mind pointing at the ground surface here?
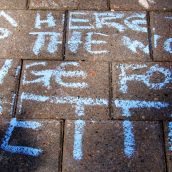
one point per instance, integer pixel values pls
(86, 86)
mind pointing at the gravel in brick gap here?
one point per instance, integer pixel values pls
(161, 27)
(14, 4)
(113, 146)
(142, 90)
(31, 34)
(9, 75)
(141, 5)
(107, 36)
(30, 145)
(168, 142)
(68, 90)
(70, 4)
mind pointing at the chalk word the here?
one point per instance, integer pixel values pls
(55, 37)
(20, 149)
(146, 79)
(43, 77)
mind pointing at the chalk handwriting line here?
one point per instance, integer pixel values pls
(20, 149)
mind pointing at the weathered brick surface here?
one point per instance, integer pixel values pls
(107, 146)
(107, 36)
(45, 138)
(9, 75)
(168, 143)
(161, 27)
(70, 4)
(28, 34)
(66, 90)
(141, 5)
(142, 90)
(14, 4)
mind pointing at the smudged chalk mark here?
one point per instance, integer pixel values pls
(78, 139)
(20, 149)
(75, 41)
(170, 135)
(4, 33)
(8, 18)
(168, 45)
(156, 38)
(129, 141)
(168, 18)
(4, 70)
(133, 45)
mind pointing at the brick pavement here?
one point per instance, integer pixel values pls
(86, 85)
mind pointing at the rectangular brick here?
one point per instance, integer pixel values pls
(31, 34)
(107, 36)
(70, 4)
(14, 4)
(30, 145)
(168, 142)
(9, 75)
(113, 146)
(68, 90)
(141, 5)
(142, 91)
(161, 27)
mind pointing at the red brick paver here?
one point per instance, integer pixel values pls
(161, 27)
(90, 83)
(30, 145)
(9, 75)
(30, 34)
(14, 4)
(168, 142)
(141, 5)
(70, 4)
(107, 36)
(67, 90)
(109, 146)
(142, 90)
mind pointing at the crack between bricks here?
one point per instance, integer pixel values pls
(17, 91)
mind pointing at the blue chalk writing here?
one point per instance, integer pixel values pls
(78, 135)
(20, 149)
